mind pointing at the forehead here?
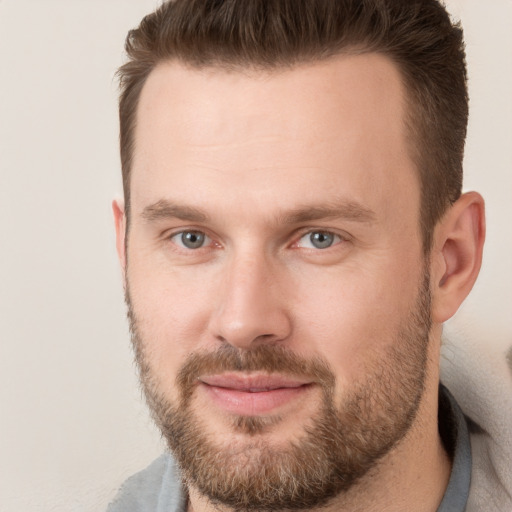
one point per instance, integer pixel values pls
(317, 126)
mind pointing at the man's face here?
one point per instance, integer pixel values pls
(277, 290)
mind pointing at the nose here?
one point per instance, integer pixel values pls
(251, 306)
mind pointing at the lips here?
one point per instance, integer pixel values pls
(252, 395)
(251, 383)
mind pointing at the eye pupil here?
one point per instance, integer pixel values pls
(321, 240)
(192, 239)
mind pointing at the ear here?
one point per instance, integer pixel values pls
(120, 222)
(457, 254)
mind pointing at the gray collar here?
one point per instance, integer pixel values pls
(454, 433)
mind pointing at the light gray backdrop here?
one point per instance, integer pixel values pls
(72, 423)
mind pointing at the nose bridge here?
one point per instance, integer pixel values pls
(249, 309)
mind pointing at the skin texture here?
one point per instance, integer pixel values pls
(254, 160)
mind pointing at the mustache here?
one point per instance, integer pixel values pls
(264, 358)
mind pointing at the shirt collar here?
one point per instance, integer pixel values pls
(454, 433)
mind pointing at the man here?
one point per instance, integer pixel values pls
(293, 238)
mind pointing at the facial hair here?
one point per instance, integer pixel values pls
(336, 449)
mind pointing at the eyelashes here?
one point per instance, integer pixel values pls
(319, 240)
(191, 239)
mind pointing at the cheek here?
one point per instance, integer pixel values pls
(354, 317)
(171, 317)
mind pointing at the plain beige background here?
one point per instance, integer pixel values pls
(72, 422)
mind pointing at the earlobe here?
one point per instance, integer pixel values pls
(120, 225)
(457, 254)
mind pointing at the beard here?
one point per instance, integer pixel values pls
(339, 445)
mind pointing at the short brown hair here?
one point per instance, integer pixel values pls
(415, 34)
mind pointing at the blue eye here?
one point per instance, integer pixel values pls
(191, 239)
(319, 240)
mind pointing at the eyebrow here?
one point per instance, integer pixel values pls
(348, 210)
(164, 209)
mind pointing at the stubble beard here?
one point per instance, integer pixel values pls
(337, 448)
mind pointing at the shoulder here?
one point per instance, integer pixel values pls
(479, 375)
(491, 478)
(156, 488)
